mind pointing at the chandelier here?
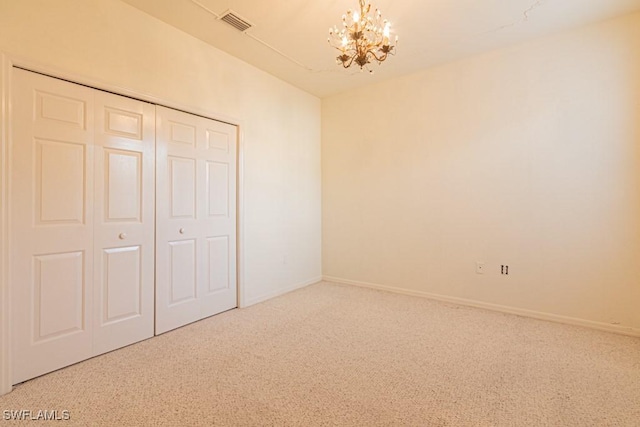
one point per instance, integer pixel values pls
(365, 37)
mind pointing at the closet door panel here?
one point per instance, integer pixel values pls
(218, 151)
(196, 233)
(124, 221)
(177, 235)
(52, 224)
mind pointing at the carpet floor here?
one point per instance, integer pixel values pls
(337, 355)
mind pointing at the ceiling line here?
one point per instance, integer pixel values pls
(279, 52)
(532, 8)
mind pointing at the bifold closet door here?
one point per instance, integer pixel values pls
(82, 223)
(124, 211)
(51, 224)
(196, 218)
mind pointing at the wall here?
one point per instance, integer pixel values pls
(109, 41)
(527, 156)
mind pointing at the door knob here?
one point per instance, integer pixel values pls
(122, 236)
(181, 231)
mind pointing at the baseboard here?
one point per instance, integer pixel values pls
(277, 293)
(618, 329)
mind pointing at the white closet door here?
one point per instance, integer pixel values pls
(52, 224)
(196, 218)
(82, 223)
(123, 221)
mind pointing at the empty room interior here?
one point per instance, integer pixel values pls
(344, 212)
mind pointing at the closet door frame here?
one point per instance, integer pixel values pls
(7, 64)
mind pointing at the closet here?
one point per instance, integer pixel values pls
(92, 175)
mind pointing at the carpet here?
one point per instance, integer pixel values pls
(337, 355)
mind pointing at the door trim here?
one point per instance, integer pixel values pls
(7, 64)
(5, 314)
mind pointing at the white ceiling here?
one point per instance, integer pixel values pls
(431, 31)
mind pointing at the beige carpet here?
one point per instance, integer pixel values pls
(339, 355)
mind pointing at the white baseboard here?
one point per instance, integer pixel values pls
(277, 293)
(624, 330)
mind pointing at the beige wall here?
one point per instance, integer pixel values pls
(111, 42)
(527, 156)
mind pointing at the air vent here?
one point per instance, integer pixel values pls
(232, 18)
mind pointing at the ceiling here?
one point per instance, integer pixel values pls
(289, 38)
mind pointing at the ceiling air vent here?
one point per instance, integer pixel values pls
(232, 18)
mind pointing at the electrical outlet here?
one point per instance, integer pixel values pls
(479, 267)
(504, 270)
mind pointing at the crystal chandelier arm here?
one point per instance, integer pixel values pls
(347, 64)
(381, 58)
